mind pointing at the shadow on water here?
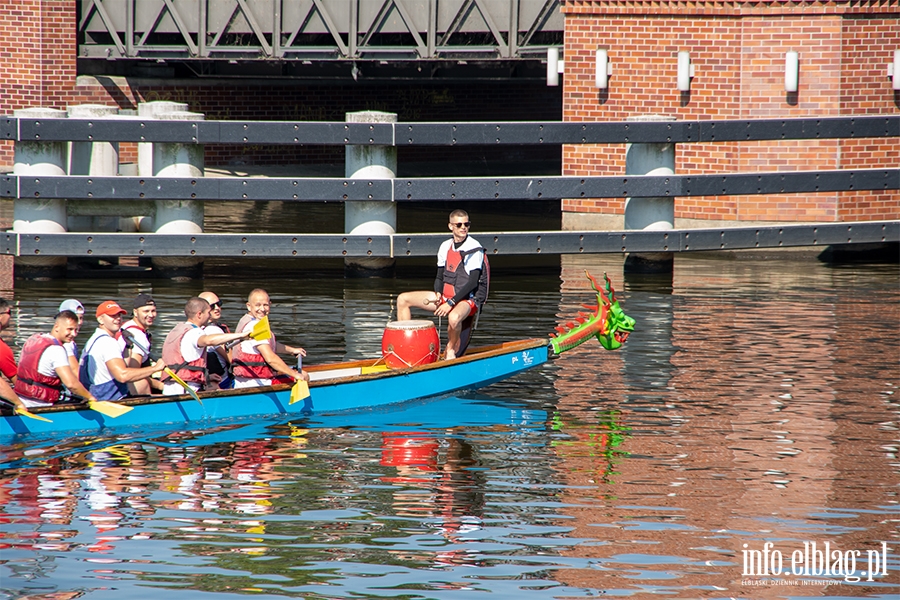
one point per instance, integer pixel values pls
(755, 402)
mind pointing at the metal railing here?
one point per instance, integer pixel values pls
(505, 189)
(263, 245)
(445, 134)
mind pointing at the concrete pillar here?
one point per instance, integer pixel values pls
(655, 214)
(370, 218)
(178, 215)
(151, 110)
(100, 159)
(40, 215)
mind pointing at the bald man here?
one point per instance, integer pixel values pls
(256, 362)
(218, 360)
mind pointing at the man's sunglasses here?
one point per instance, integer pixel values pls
(216, 304)
(458, 225)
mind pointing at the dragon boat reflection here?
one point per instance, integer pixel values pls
(257, 481)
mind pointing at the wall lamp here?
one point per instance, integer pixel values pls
(554, 67)
(602, 69)
(894, 70)
(685, 71)
(791, 71)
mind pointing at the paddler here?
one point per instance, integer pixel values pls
(102, 368)
(44, 366)
(218, 361)
(256, 362)
(136, 342)
(460, 261)
(185, 348)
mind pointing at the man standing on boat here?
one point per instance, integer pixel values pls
(256, 362)
(135, 342)
(185, 348)
(217, 360)
(460, 261)
(102, 368)
(44, 365)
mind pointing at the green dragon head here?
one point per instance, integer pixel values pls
(608, 323)
(616, 324)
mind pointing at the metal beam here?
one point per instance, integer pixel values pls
(445, 134)
(314, 189)
(142, 189)
(426, 244)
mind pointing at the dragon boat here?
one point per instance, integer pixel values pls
(333, 388)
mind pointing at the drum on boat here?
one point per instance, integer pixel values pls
(410, 344)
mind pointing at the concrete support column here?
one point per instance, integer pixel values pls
(370, 218)
(151, 110)
(656, 214)
(40, 215)
(100, 159)
(178, 215)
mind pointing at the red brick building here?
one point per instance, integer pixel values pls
(738, 50)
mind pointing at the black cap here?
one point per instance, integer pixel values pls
(143, 300)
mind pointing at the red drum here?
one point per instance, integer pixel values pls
(410, 344)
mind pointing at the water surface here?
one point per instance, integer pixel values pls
(756, 402)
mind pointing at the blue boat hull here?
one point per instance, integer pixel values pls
(335, 388)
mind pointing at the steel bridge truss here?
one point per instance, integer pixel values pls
(323, 30)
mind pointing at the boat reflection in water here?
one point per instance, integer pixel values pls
(288, 491)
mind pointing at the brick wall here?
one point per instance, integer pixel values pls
(737, 49)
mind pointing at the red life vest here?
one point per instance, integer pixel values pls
(171, 353)
(132, 325)
(29, 381)
(254, 366)
(456, 276)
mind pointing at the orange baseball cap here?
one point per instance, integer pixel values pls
(111, 308)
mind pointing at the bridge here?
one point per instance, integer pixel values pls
(319, 38)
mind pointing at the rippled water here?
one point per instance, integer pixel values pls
(756, 402)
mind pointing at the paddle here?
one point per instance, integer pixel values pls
(170, 372)
(27, 413)
(299, 391)
(110, 409)
(260, 331)
(183, 384)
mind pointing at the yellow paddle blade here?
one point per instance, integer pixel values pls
(299, 391)
(373, 369)
(261, 330)
(183, 384)
(110, 409)
(31, 415)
